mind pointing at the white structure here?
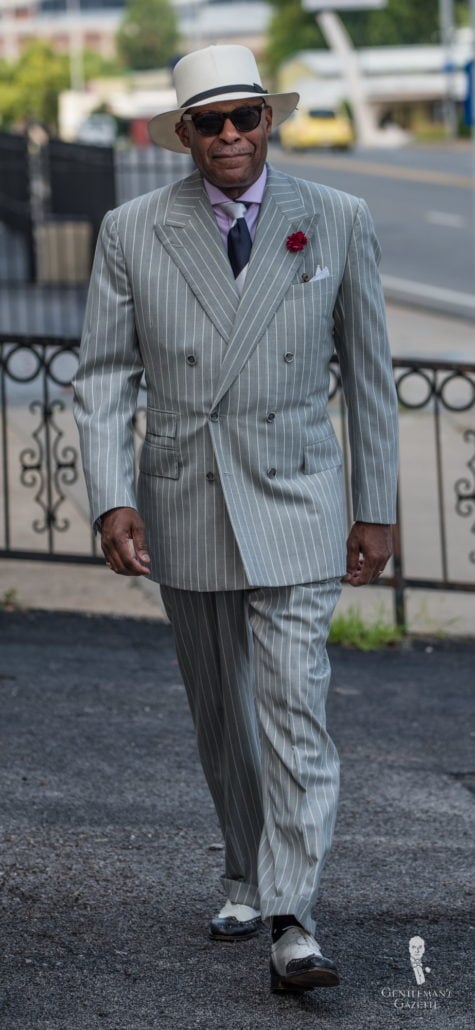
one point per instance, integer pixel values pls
(391, 75)
(21, 22)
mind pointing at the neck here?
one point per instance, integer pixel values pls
(235, 192)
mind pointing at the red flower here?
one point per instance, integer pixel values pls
(296, 241)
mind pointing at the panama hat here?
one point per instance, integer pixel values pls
(216, 73)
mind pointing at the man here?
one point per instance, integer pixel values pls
(234, 311)
(417, 948)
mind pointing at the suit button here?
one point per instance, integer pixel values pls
(271, 473)
(190, 359)
(288, 357)
(214, 416)
(270, 417)
(210, 477)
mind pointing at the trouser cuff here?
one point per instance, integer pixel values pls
(241, 893)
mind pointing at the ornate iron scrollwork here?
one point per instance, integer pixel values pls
(48, 466)
(465, 489)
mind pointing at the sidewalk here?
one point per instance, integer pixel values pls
(111, 851)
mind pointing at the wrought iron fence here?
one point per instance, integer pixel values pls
(45, 512)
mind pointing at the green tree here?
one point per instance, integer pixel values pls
(97, 67)
(30, 86)
(401, 22)
(148, 34)
(291, 29)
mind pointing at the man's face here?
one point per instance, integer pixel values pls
(232, 160)
(416, 947)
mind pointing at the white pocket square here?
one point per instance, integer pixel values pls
(321, 273)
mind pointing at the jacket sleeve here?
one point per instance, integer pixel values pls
(361, 342)
(108, 378)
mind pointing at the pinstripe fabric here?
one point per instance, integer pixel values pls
(269, 642)
(238, 498)
(241, 487)
(215, 652)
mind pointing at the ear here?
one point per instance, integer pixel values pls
(181, 130)
(268, 119)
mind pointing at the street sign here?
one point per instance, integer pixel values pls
(341, 5)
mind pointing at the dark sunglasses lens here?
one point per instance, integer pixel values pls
(244, 119)
(209, 124)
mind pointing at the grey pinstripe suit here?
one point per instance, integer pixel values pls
(240, 483)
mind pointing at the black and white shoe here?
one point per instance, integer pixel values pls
(297, 963)
(235, 923)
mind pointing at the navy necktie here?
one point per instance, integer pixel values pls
(239, 240)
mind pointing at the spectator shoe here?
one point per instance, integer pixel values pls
(297, 963)
(235, 923)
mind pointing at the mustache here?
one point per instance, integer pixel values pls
(230, 152)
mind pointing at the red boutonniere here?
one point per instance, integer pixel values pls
(296, 241)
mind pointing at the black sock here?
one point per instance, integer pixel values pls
(280, 924)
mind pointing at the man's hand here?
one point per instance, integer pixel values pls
(123, 542)
(368, 548)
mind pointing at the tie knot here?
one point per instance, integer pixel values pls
(234, 208)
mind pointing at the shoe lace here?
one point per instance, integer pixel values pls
(302, 940)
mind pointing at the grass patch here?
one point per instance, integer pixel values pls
(350, 629)
(9, 601)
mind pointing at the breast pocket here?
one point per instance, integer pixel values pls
(313, 291)
(309, 306)
(321, 455)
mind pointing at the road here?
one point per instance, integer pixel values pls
(423, 203)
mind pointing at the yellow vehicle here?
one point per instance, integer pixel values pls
(316, 127)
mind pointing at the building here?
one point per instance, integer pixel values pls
(401, 84)
(93, 23)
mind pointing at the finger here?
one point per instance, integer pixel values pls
(369, 573)
(353, 569)
(127, 564)
(120, 553)
(140, 545)
(353, 554)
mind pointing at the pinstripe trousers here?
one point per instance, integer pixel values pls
(256, 672)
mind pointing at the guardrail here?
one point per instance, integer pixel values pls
(44, 513)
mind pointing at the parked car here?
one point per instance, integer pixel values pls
(316, 127)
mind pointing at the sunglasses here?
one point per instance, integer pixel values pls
(211, 123)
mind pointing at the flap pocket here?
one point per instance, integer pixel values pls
(158, 461)
(321, 455)
(161, 423)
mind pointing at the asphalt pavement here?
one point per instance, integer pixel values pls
(111, 852)
(422, 202)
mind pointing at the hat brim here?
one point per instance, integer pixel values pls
(162, 127)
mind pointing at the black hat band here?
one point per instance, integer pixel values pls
(238, 88)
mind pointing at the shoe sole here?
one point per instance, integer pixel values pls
(304, 981)
(233, 938)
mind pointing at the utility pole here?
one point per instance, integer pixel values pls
(76, 68)
(446, 23)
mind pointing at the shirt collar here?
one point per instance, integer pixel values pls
(253, 195)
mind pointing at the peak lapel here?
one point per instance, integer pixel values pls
(190, 235)
(272, 268)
